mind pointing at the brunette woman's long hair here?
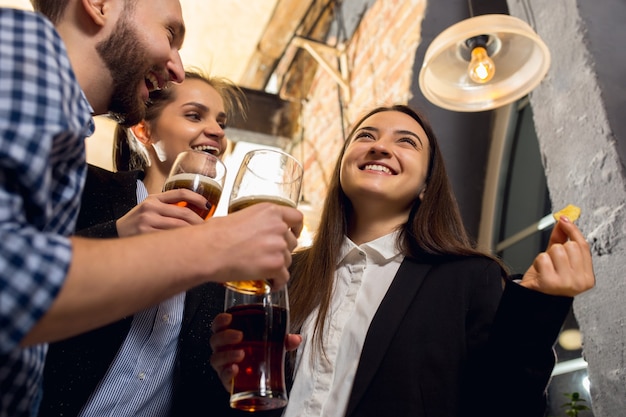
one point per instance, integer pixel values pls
(128, 154)
(433, 233)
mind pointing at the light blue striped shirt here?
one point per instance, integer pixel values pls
(139, 380)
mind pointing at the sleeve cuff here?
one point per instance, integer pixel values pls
(526, 315)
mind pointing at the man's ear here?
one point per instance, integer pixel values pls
(96, 10)
(142, 132)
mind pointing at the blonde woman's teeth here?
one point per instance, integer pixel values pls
(206, 148)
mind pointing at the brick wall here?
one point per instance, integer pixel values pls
(380, 58)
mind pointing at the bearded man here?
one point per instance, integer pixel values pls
(93, 57)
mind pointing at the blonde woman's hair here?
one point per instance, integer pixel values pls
(129, 154)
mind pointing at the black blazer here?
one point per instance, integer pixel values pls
(447, 342)
(75, 366)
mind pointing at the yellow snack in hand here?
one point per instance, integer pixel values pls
(571, 212)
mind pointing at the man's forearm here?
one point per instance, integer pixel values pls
(111, 279)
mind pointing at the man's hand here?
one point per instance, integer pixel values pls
(251, 244)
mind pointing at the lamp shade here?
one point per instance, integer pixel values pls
(521, 60)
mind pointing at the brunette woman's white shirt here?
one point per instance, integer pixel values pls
(323, 383)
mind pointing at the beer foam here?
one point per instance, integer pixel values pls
(242, 202)
(195, 178)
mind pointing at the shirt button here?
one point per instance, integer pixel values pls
(362, 253)
(165, 317)
(141, 376)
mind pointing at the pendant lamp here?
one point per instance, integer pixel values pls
(482, 63)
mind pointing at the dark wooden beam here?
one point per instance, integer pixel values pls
(297, 74)
(286, 19)
(268, 115)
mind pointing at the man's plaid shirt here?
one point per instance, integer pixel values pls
(44, 118)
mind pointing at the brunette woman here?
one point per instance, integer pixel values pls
(399, 315)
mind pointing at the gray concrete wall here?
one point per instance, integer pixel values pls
(580, 126)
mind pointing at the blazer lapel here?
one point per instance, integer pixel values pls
(385, 323)
(124, 192)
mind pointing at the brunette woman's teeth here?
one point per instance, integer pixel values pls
(378, 168)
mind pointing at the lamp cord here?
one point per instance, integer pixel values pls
(530, 16)
(471, 8)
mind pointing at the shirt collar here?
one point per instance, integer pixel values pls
(91, 127)
(382, 249)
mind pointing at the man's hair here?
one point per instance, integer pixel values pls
(52, 9)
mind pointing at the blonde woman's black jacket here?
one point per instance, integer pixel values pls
(74, 367)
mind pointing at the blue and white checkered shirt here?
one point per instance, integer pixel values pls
(44, 118)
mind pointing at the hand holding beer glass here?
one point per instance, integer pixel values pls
(265, 175)
(262, 315)
(202, 173)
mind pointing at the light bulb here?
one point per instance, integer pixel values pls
(481, 68)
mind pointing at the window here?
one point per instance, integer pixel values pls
(522, 202)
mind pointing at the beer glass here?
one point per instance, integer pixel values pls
(202, 173)
(264, 320)
(265, 175)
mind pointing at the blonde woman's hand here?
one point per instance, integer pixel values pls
(160, 212)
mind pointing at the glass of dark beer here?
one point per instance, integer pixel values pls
(202, 173)
(265, 175)
(264, 320)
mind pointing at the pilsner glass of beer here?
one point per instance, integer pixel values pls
(265, 175)
(202, 173)
(264, 320)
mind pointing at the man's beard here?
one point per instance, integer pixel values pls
(125, 58)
